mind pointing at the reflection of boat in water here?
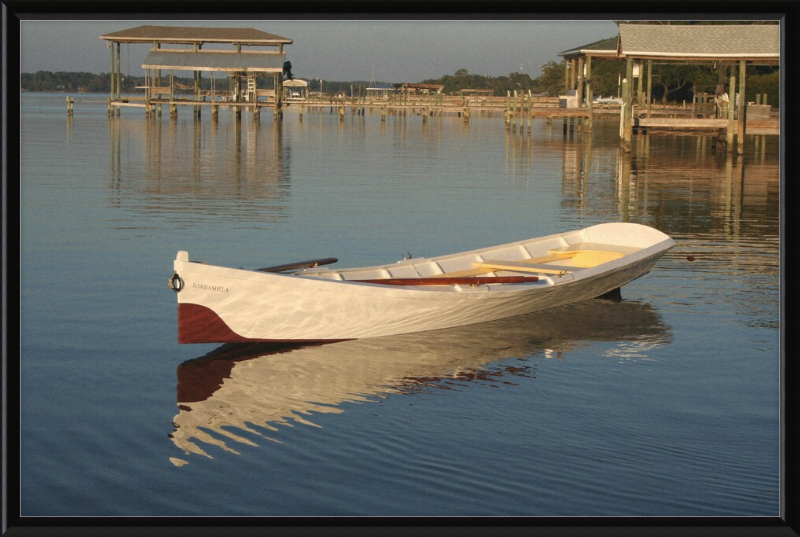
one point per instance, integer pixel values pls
(255, 387)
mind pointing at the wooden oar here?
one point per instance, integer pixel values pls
(451, 281)
(300, 265)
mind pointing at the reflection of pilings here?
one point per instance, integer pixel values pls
(733, 187)
(197, 147)
(277, 136)
(586, 168)
(759, 148)
(115, 131)
(237, 130)
(624, 183)
(252, 145)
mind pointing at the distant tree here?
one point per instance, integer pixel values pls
(671, 81)
(605, 77)
(764, 81)
(675, 77)
(551, 81)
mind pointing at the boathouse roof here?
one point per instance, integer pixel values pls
(191, 35)
(295, 83)
(757, 43)
(381, 87)
(226, 61)
(604, 47)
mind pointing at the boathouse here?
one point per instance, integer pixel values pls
(380, 91)
(729, 48)
(420, 89)
(251, 60)
(295, 89)
(579, 68)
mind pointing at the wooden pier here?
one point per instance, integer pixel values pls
(518, 111)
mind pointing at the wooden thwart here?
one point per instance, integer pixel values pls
(523, 266)
(553, 256)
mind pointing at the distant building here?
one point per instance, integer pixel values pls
(295, 89)
(243, 68)
(380, 91)
(421, 89)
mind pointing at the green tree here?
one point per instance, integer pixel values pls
(605, 77)
(674, 77)
(551, 81)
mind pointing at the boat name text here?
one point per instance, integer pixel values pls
(207, 287)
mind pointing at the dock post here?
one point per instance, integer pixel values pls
(627, 106)
(639, 92)
(589, 95)
(730, 128)
(579, 82)
(530, 110)
(650, 87)
(741, 108)
(507, 113)
(383, 114)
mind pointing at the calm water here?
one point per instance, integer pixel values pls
(663, 404)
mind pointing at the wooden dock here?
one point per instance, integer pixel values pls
(517, 111)
(648, 125)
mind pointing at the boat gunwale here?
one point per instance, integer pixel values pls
(311, 283)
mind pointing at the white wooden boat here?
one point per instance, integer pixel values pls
(318, 303)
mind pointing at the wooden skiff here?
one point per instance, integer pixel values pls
(310, 302)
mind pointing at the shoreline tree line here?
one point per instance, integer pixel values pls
(671, 82)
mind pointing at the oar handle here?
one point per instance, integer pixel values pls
(456, 280)
(300, 265)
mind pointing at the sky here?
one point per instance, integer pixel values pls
(338, 50)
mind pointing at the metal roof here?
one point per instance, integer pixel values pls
(262, 62)
(606, 47)
(701, 41)
(184, 34)
(295, 83)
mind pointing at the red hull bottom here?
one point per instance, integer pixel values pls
(199, 324)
